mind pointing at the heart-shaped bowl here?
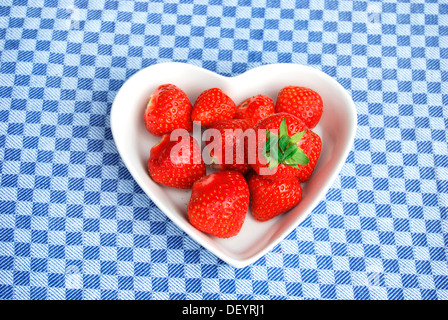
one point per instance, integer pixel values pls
(336, 128)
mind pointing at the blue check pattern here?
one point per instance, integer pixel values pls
(75, 225)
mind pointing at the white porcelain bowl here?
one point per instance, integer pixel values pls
(337, 129)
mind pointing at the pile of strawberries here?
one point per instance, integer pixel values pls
(287, 153)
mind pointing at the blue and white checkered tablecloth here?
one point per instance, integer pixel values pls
(75, 225)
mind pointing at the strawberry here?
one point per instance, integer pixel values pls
(302, 102)
(270, 198)
(219, 203)
(211, 106)
(230, 139)
(176, 164)
(255, 108)
(168, 109)
(286, 147)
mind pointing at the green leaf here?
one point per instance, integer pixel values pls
(275, 151)
(292, 149)
(267, 145)
(275, 154)
(296, 138)
(283, 128)
(270, 149)
(300, 157)
(273, 141)
(292, 165)
(283, 142)
(283, 148)
(268, 134)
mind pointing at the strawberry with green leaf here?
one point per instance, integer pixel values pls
(286, 147)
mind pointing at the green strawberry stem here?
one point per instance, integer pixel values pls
(283, 148)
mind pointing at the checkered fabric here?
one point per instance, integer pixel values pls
(75, 225)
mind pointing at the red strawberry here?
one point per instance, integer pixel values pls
(176, 164)
(219, 203)
(270, 198)
(301, 102)
(255, 108)
(168, 109)
(286, 147)
(231, 139)
(211, 106)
